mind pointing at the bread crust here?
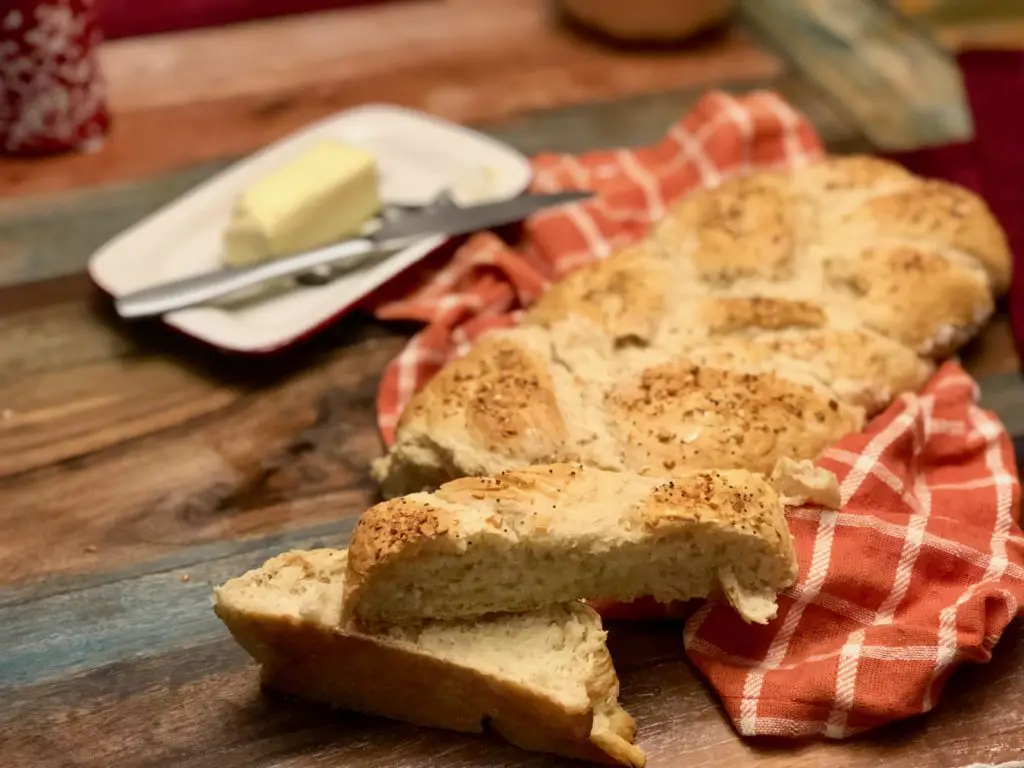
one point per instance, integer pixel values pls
(312, 657)
(841, 281)
(744, 228)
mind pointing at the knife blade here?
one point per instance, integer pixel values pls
(453, 220)
(347, 254)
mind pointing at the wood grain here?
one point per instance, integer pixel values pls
(170, 689)
(171, 448)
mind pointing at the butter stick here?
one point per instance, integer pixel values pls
(325, 194)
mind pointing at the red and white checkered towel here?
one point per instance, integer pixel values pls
(922, 568)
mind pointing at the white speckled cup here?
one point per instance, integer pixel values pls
(52, 96)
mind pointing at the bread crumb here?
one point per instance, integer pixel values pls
(90, 548)
(184, 578)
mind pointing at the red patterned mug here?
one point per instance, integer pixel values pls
(52, 96)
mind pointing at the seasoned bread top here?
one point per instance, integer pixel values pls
(681, 414)
(564, 501)
(645, 412)
(769, 316)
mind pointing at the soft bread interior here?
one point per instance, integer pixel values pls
(499, 573)
(556, 533)
(558, 653)
(556, 650)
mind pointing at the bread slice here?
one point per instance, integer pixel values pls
(547, 534)
(543, 680)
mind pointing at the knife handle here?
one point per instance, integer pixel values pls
(181, 294)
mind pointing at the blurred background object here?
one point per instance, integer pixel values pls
(130, 18)
(961, 24)
(639, 21)
(52, 96)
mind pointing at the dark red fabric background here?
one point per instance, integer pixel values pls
(128, 18)
(992, 164)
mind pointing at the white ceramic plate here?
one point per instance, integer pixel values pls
(418, 156)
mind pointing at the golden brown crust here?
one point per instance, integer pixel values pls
(624, 295)
(502, 391)
(917, 297)
(861, 367)
(743, 228)
(854, 173)
(357, 673)
(692, 416)
(390, 528)
(730, 314)
(513, 535)
(504, 404)
(743, 501)
(939, 215)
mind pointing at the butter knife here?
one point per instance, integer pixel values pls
(390, 236)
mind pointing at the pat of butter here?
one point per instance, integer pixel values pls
(325, 194)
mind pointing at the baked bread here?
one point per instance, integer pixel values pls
(648, 20)
(543, 680)
(918, 261)
(530, 395)
(549, 534)
(813, 299)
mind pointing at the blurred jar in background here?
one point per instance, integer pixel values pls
(654, 21)
(52, 96)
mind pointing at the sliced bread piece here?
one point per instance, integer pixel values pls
(552, 533)
(543, 680)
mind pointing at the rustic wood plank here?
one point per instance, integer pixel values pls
(465, 49)
(113, 612)
(131, 458)
(201, 446)
(994, 351)
(53, 235)
(97, 539)
(200, 706)
(127, 459)
(220, 94)
(899, 88)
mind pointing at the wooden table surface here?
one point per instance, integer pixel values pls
(138, 469)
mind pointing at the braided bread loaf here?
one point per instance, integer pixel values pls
(762, 319)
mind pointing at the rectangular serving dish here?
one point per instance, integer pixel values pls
(418, 156)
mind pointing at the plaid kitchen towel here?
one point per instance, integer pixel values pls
(922, 567)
